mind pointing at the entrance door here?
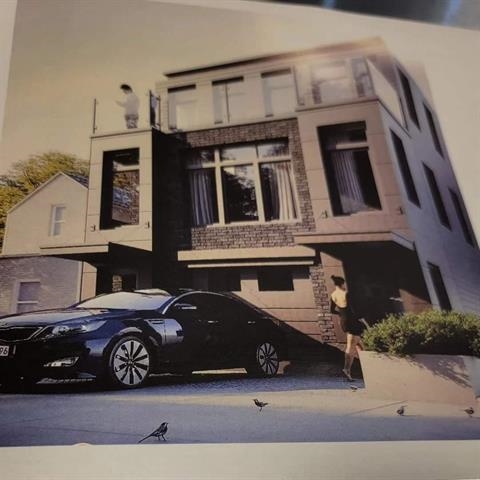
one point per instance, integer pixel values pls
(373, 289)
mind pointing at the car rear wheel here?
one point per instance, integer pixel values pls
(129, 363)
(265, 362)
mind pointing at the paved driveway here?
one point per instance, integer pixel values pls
(218, 407)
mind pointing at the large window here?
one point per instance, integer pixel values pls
(120, 188)
(247, 182)
(463, 218)
(279, 91)
(407, 91)
(405, 170)
(182, 107)
(229, 100)
(27, 296)
(437, 197)
(347, 165)
(433, 130)
(57, 219)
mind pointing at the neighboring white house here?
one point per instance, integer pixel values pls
(54, 212)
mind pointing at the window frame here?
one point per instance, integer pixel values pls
(218, 164)
(433, 130)
(437, 198)
(107, 222)
(439, 286)
(463, 218)
(275, 271)
(409, 98)
(172, 107)
(405, 170)
(54, 222)
(267, 90)
(361, 145)
(18, 287)
(225, 100)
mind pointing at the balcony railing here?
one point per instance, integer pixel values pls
(343, 81)
(109, 116)
(308, 85)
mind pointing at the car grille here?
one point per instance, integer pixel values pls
(15, 334)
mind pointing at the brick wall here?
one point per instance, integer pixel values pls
(58, 280)
(183, 236)
(322, 301)
(262, 235)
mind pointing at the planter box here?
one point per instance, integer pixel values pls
(432, 378)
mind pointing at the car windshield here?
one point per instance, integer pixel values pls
(127, 300)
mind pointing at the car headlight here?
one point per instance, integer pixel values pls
(73, 328)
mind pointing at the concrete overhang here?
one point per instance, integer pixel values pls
(295, 255)
(94, 253)
(354, 237)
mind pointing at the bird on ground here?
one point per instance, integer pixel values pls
(259, 404)
(353, 388)
(159, 432)
(469, 411)
(401, 410)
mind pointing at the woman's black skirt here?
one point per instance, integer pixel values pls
(348, 323)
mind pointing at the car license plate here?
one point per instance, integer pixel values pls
(4, 350)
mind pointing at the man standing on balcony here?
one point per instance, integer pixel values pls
(131, 105)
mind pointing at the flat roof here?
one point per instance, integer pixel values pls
(337, 47)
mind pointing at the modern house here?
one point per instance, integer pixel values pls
(53, 213)
(268, 175)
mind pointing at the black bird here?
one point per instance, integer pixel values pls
(469, 411)
(353, 388)
(159, 432)
(259, 404)
(401, 410)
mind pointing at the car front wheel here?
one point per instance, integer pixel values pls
(129, 362)
(265, 362)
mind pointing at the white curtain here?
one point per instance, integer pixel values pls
(282, 195)
(201, 195)
(348, 184)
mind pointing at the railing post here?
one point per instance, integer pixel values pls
(153, 105)
(94, 124)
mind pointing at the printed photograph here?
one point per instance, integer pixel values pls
(220, 226)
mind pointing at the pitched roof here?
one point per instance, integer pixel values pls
(76, 178)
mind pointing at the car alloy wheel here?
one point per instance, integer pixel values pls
(129, 363)
(266, 361)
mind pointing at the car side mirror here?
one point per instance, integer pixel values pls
(184, 306)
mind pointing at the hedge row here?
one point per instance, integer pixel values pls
(432, 331)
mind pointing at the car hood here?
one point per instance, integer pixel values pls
(49, 317)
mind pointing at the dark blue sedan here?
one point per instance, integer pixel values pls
(123, 337)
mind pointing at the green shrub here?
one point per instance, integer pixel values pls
(432, 331)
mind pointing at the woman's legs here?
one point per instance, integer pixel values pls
(348, 356)
(354, 343)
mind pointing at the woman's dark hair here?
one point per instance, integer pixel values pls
(337, 281)
(124, 86)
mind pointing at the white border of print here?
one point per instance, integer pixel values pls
(373, 460)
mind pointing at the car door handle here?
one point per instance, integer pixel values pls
(212, 322)
(251, 322)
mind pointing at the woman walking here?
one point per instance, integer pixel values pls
(340, 305)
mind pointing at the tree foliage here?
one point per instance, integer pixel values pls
(26, 175)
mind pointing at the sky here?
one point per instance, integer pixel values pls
(66, 53)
